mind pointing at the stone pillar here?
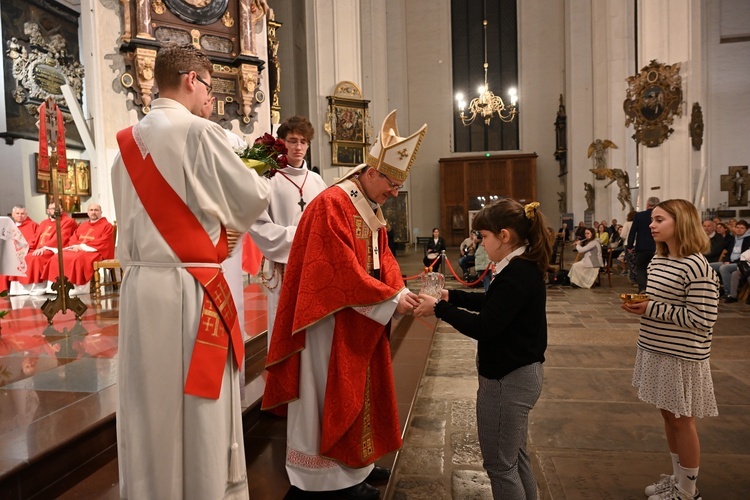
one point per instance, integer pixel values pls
(334, 54)
(671, 33)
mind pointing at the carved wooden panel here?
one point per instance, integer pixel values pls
(469, 183)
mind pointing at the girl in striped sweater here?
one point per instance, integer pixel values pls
(674, 344)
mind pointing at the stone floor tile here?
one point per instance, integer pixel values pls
(409, 488)
(465, 449)
(464, 414)
(433, 407)
(470, 485)
(413, 461)
(426, 432)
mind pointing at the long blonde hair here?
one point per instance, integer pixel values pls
(689, 235)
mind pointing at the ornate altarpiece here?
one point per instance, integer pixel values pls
(40, 39)
(226, 30)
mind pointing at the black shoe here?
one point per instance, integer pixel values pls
(730, 300)
(379, 474)
(361, 491)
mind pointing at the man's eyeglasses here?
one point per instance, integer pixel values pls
(209, 88)
(393, 185)
(296, 142)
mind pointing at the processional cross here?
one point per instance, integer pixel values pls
(52, 161)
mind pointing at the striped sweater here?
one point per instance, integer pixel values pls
(680, 316)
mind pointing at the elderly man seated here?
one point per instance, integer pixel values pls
(92, 242)
(41, 250)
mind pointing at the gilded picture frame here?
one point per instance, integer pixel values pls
(653, 99)
(348, 125)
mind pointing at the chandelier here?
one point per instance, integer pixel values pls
(487, 103)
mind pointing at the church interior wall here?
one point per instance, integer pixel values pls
(727, 106)
(399, 53)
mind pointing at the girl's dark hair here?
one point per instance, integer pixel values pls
(530, 230)
(593, 236)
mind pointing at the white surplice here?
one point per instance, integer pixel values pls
(274, 230)
(171, 445)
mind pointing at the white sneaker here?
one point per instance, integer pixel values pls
(662, 485)
(675, 493)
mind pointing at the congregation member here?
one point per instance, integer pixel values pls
(92, 241)
(433, 250)
(178, 186)
(735, 245)
(672, 369)
(292, 188)
(739, 277)
(715, 239)
(580, 230)
(41, 250)
(329, 366)
(641, 243)
(584, 271)
(612, 229)
(468, 250)
(722, 230)
(27, 227)
(510, 324)
(602, 234)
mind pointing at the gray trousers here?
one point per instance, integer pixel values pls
(502, 424)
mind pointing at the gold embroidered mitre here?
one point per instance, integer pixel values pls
(393, 155)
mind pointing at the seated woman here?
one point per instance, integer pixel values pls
(617, 245)
(602, 234)
(584, 272)
(433, 249)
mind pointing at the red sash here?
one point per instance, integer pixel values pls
(173, 219)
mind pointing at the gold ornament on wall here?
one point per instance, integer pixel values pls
(654, 97)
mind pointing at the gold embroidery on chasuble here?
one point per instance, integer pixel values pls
(47, 234)
(363, 232)
(367, 444)
(87, 237)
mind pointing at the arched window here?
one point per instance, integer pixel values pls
(468, 70)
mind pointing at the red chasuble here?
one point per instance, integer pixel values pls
(79, 266)
(46, 236)
(327, 275)
(28, 230)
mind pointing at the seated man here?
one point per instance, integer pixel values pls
(739, 277)
(467, 248)
(44, 246)
(27, 228)
(717, 241)
(92, 242)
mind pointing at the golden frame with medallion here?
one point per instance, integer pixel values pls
(653, 99)
(348, 125)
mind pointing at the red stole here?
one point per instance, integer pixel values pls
(326, 275)
(174, 220)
